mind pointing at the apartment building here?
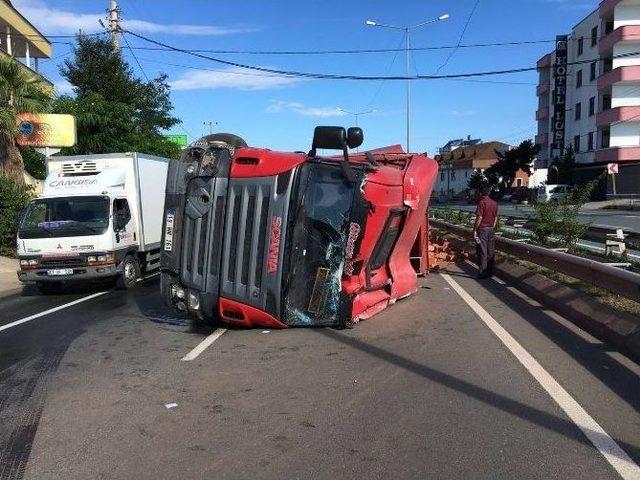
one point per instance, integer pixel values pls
(20, 39)
(589, 97)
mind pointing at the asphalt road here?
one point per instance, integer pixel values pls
(424, 390)
(627, 220)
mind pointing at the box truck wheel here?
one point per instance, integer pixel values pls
(49, 288)
(130, 273)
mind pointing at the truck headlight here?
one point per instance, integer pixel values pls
(194, 301)
(28, 263)
(101, 259)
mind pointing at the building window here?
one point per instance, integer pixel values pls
(594, 69)
(518, 182)
(590, 142)
(578, 111)
(466, 174)
(606, 102)
(576, 144)
(578, 78)
(606, 138)
(580, 45)
(442, 176)
(592, 106)
(453, 174)
(607, 65)
(594, 36)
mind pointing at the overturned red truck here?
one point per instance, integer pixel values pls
(255, 237)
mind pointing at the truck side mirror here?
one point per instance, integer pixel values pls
(331, 138)
(355, 137)
(120, 220)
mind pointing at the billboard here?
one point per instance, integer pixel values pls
(180, 140)
(46, 130)
(560, 93)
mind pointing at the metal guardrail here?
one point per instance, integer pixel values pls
(612, 279)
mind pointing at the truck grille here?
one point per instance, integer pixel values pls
(244, 254)
(62, 263)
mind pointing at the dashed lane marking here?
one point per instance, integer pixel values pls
(51, 310)
(203, 345)
(600, 439)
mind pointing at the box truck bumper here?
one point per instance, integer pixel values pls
(79, 274)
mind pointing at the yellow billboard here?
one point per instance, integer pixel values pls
(46, 130)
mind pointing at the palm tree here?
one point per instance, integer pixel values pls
(20, 92)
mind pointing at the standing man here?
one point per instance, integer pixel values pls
(484, 233)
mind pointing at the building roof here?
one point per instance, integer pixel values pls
(482, 155)
(461, 142)
(21, 27)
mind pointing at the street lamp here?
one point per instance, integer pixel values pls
(407, 31)
(357, 114)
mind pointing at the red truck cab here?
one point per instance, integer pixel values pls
(255, 237)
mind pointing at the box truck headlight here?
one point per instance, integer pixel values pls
(101, 259)
(27, 264)
(194, 301)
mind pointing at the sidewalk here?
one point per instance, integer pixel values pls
(8, 279)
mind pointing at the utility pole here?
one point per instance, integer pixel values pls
(114, 24)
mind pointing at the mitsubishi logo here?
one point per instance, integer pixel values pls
(59, 247)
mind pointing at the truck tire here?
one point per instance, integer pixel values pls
(49, 288)
(130, 273)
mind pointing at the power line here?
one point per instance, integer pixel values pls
(354, 51)
(464, 30)
(332, 76)
(136, 58)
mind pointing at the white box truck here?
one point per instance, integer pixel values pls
(99, 216)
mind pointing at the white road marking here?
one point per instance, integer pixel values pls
(203, 345)
(600, 439)
(51, 310)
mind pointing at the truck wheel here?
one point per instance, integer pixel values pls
(49, 288)
(130, 273)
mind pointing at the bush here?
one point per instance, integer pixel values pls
(13, 200)
(560, 219)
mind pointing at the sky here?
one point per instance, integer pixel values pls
(280, 112)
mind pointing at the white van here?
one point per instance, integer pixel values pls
(553, 192)
(99, 216)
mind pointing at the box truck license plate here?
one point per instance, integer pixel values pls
(60, 271)
(168, 232)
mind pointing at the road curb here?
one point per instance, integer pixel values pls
(619, 328)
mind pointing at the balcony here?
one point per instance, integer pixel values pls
(626, 74)
(48, 84)
(542, 138)
(542, 113)
(624, 34)
(542, 89)
(618, 154)
(618, 114)
(544, 62)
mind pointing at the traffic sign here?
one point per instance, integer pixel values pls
(612, 168)
(180, 140)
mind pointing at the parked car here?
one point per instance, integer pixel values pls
(553, 192)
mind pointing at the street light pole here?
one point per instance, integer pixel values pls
(407, 31)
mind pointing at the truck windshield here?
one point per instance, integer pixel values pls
(65, 217)
(318, 230)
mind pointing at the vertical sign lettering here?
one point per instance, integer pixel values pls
(560, 94)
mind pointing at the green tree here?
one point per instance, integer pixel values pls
(20, 92)
(477, 180)
(502, 174)
(561, 169)
(115, 111)
(13, 201)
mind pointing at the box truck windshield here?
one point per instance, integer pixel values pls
(318, 226)
(65, 217)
